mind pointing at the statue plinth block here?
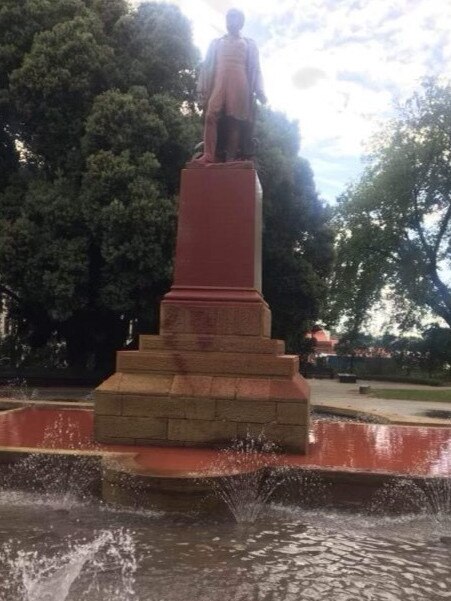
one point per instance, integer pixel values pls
(213, 373)
(205, 343)
(218, 254)
(221, 318)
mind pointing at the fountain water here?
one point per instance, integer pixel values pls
(286, 555)
(18, 389)
(37, 577)
(57, 545)
(431, 497)
(242, 478)
(245, 478)
(70, 477)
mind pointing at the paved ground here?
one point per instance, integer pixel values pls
(327, 396)
(345, 399)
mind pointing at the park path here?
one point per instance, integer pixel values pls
(345, 399)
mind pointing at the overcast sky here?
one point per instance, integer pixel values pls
(336, 66)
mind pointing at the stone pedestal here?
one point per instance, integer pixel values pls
(213, 373)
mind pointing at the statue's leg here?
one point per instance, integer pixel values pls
(233, 138)
(210, 136)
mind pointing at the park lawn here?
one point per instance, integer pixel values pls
(413, 394)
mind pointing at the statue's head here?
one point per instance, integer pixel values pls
(235, 21)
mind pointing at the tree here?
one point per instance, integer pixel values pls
(91, 94)
(435, 349)
(394, 224)
(297, 237)
(97, 119)
(352, 344)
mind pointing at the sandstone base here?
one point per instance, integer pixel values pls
(213, 374)
(204, 391)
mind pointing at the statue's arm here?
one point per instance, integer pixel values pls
(206, 75)
(258, 87)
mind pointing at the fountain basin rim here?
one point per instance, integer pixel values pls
(126, 463)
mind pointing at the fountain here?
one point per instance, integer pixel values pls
(288, 553)
(133, 500)
(275, 541)
(32, 575)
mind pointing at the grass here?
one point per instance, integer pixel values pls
(414, 394)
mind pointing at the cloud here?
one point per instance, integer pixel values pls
(220, 5)
(337, 67)
(307, 77)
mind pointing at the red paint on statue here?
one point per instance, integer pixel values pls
(218, 229)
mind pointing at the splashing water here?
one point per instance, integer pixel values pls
(432, 497)
(436, 494)
(65, 427)
(245, 478)
(34, 577)
(17, 388)
(289, 555)
(241, 478)
(69, 478)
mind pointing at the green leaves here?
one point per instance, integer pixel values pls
(55, 84)
(43, 253)
(124, 121)
(92, 96)
(394, 224)
(155, 42)
(297, 239)
(97, 102)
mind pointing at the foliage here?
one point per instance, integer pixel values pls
(435, 350)
(406, 353)
(91, 94)
(418, 380)
(97, 117)
(394, 224)
(412, 394)
(428, 354)
(352, 342)
(297, 237)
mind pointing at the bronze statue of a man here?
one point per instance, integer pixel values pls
(229, 83)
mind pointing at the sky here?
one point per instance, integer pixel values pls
(337, 67)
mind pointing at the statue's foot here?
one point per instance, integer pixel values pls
(203, 160)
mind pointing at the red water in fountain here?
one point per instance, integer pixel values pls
(341, 446)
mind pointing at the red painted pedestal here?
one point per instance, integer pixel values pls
(213, 373)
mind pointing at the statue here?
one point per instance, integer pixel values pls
(230, 81)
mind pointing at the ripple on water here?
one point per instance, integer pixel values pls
(287, 555)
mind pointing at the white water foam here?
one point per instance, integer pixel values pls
(37, 577)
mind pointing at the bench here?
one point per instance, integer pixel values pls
(347, 378)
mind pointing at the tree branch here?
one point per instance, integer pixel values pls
(442, 230)
(15, 297)
(419, 228)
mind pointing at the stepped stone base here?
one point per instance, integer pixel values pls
(175, 392)
(213, 374)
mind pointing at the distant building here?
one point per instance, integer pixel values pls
(324, 343)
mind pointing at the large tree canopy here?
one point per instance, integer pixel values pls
(91, 95)
(97, 117)
(297, 237)
(394, 224)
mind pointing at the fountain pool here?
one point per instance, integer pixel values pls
(55, 546)
(288, 554)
